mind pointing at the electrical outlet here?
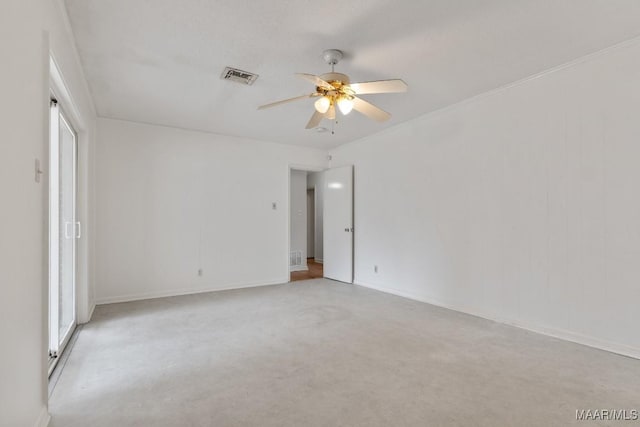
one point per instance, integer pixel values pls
(375, 269)
(199, 272)
(274, 206)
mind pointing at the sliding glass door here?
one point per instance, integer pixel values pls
(64, 231)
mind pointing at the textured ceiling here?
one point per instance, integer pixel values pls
(159, 61)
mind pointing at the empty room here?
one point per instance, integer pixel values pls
(346, 213)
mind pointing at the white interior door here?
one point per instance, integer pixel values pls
(338, 224)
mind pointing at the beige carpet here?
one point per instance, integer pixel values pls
(321, 353)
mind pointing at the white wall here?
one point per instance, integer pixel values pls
(521, 205)
(172, 201)
(311, 223)
(31, 29)
(298, 215)
(316, 180)
(23, 270)
(76, 100)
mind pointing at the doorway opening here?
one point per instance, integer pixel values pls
(321, 224)
(305, 234)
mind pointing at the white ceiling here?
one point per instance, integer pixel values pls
(159, 61)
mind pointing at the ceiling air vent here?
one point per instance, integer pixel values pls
(239, 76)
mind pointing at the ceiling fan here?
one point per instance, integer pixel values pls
(335, 89)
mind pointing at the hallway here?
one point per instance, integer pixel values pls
(315, 271)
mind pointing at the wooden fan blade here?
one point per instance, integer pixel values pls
(284, 101)
(315, 120)
(316, 81)
(370, 110)
(380, 86)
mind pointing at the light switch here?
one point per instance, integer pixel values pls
(38, 171)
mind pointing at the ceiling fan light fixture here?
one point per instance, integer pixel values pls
(345, 104)
(335, 90)
(331, 113)
(322, 104)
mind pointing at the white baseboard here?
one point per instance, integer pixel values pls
(318, 260)
(562, 334)
(298, 268)
(44, 418)
(93, 308)
(178, 292)
(87, 319)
